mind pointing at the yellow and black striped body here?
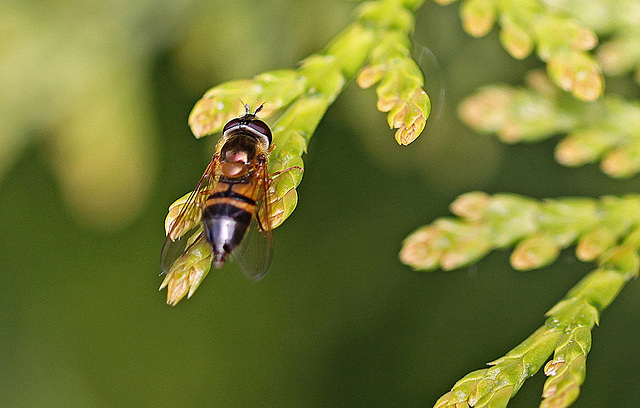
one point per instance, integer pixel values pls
(228, 212)
(232, 197)
(241, 174)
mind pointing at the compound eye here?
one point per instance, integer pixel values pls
(233, 123)
(261, 127)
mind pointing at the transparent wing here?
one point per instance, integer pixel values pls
(173, 250)
(255, 251)
(183, 221)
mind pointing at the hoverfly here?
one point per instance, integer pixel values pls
(231, 198)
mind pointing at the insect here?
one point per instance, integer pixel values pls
(232, 199)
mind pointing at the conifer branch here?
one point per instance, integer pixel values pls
(607, 130)
(559, 40)
(617, 22)
(606, 231)
(537, 229)
(566, 333)
(380, 38)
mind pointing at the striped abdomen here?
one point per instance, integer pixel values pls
(226, 217)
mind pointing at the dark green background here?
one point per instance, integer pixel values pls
(338, 321)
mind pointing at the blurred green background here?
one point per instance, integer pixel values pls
(94, 146)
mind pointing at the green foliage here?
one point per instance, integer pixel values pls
(607, 130)
(617, 22)
(379, 38)
(566, 333)
(537, 230)
(605, 231)
(559, 39)
(376, 50)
